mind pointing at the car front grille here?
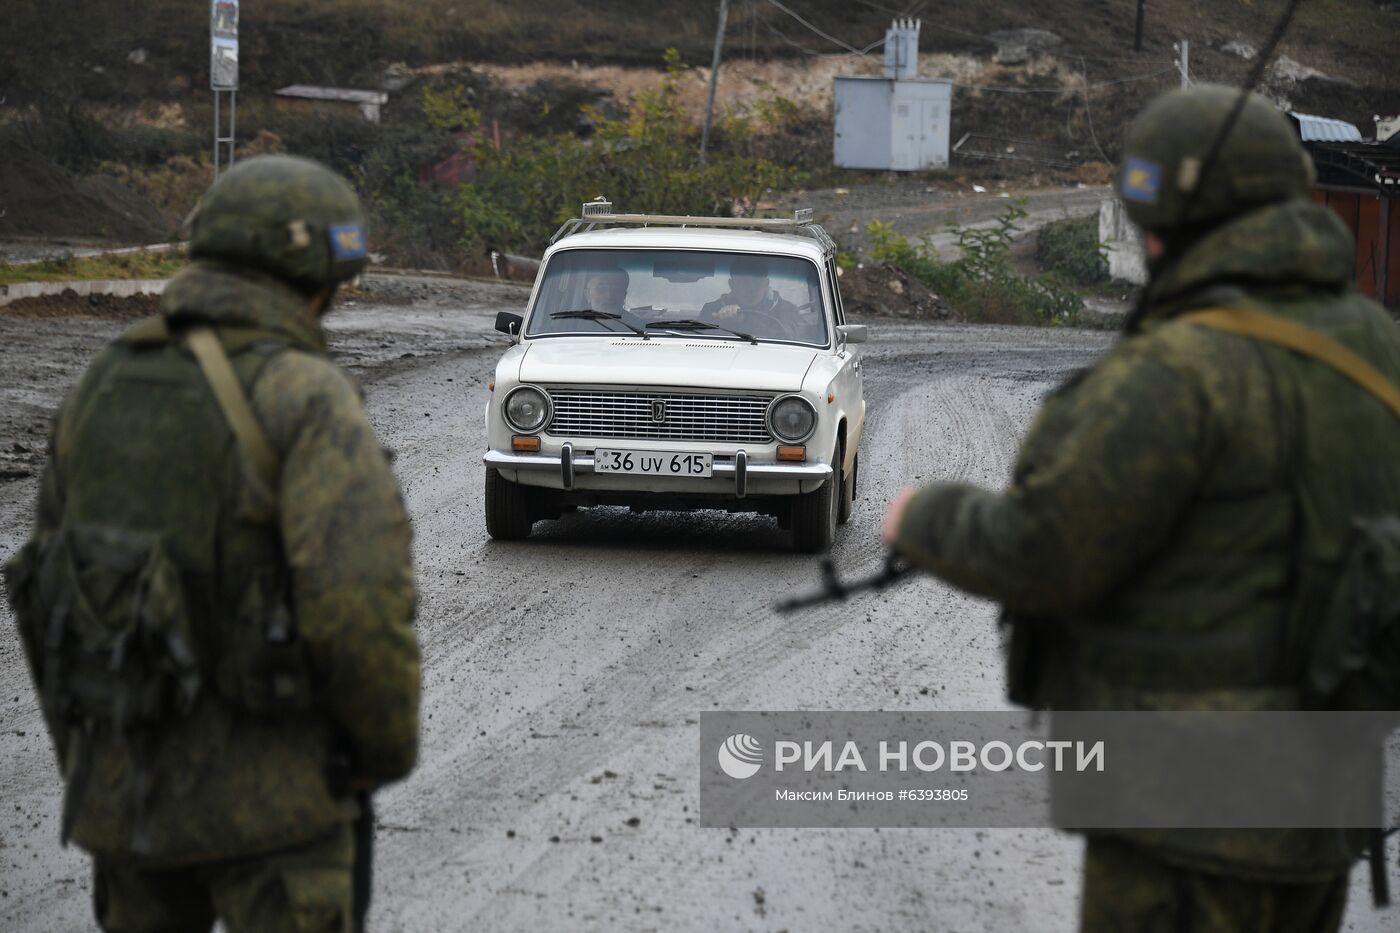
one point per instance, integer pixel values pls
(738, 419)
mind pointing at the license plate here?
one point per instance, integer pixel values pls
(652, 463)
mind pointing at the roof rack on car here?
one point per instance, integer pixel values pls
(599, 213)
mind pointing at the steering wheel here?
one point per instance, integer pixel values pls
(776, 326)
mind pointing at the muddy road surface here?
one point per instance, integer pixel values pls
(564, 675)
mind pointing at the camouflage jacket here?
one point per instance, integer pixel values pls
(1150, 532)
(333, 537)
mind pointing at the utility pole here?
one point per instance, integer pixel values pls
(1183, 61)
(714, 78)
(1141, 18)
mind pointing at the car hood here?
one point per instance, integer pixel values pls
(666, 361)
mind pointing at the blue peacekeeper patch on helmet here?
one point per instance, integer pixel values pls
(348, 242)
(1142, 181)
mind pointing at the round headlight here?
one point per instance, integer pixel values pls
(792, 418)
(526, 409)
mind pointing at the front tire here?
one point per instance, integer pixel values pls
(848, 493)
(509, 508)
(814, 515)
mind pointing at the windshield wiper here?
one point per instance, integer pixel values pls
(689, 324)
(588, 314)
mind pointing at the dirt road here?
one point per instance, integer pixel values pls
(916, 210)
(564, 675)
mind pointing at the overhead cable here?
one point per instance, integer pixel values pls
(827, 36)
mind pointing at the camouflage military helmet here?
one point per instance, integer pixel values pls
(1261, 162)
(289, 217)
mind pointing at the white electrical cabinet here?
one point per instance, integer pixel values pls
(892, 124)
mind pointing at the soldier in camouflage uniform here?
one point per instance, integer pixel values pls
(1178, 510)
(217, 598)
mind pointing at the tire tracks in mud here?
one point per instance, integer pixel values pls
(702, 636)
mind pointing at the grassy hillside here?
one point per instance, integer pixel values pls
(69, 47)
(116, 92)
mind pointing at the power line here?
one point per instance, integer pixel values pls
(792, 42)
(960, 32)
(827, 36)
(967, 87)
(753, 31)
(882, 9)
(1089, 113)
(907, 11)
(948, 29)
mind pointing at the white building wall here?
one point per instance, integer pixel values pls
(887, 125)
(1127, 260)
(862, 123)
(920, 125)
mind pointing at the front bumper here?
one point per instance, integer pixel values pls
(736, 476)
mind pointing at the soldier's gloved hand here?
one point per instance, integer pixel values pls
(894, 515)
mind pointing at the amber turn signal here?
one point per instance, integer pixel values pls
(520, 442)
(792, 453)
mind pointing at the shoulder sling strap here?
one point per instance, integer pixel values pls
(1262, 326)
(228, 392)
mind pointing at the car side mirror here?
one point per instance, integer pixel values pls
(509, 323)
(854, 333)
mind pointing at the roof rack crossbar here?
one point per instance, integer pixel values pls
(599, 213)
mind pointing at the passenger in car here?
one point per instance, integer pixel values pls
(606, 290)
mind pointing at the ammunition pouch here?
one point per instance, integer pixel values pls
(263, 667)
(22, 589)
(103, 616)
(1355, 659)
(107, 610)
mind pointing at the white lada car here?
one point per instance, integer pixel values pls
(676, 363)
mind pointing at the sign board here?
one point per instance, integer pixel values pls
(223, 52)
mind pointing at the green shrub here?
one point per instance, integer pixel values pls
(69, 268)
(1071, 249)
(981, 284)
(645, 161)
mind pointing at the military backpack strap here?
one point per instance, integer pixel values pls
(1267, 327)
(228, 392)
(148, 330)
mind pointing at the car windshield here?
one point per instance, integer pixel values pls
(706, 295)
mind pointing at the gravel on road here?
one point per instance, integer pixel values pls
(564, 675)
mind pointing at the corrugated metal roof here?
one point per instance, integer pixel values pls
(333, 93)
(1324, 129)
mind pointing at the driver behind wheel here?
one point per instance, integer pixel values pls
(750, 296)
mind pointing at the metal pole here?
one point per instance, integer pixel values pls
(714, 79)
(1185, 64)
(232, 123)
(1141, 16)
(216, 135)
